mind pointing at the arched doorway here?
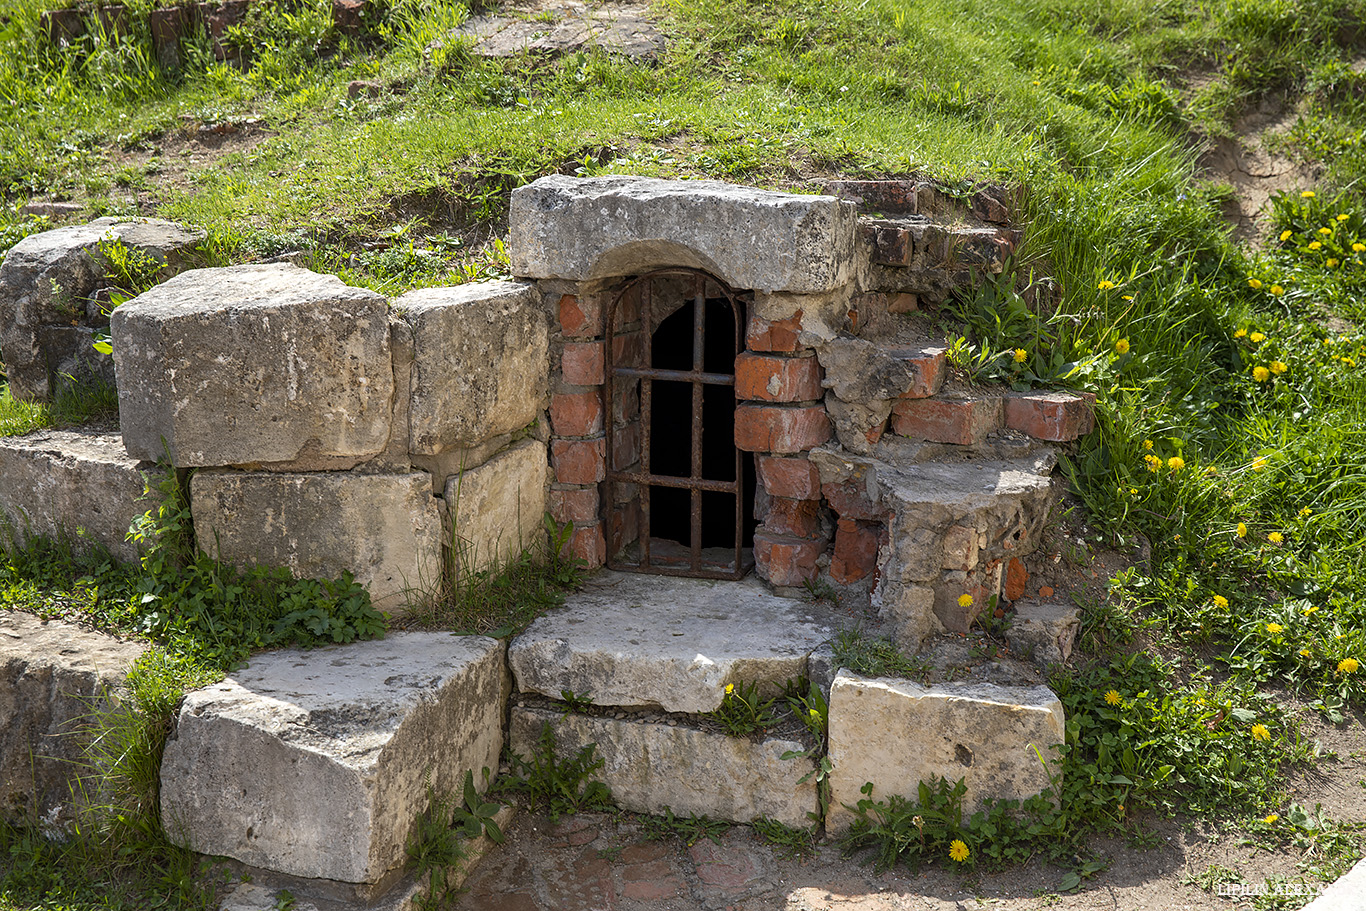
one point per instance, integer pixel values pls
(679, 496)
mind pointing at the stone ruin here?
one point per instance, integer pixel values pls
(708, 381)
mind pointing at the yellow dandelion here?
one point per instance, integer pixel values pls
(730, 688)
(1316, 246)
(965, 600)
(1254, 283)
(1105, 285)
(1277, 367)
(1241, 333)
(1310, 610)
(958, 851)
(1122, 346)
(1272, 819)
(1261, 374)
(1274, 628)
(1020, 355)
(1220, 601)
(1259, 732)
(1343, 216)
(1349, 362)
(1359, 247)
(1348, 665)
(1332, 263)
(1305, 653)
(1286, 235)
(1277, 289)
(1307, 194)
(1259, 464)
(1256, 338)
(1113, 698)
(1153, 462)
(1127, 297)
(1275, 537)
(1306, 512)
(1176, 463)
(1147, 444)
(1325, 231)
(1242, 530)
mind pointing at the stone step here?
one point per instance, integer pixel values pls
(316, 763)
(639, 640)
(952, 527)
(675, 764)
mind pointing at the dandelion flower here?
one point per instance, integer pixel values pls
(958, 851)
(1305, 653)
(1272, 819)
(1348, 666)
(1020, 355)
(1242, 530)
(1254, 283)
(1261, 374)
(1127, 297)
(1154, 463)
(1306, 512)
(1274, 628)
(1220, 601)
(1277, 367)
(1332, 264)
(1358, 247)
(1147, 444)
(1259, 732)
(1311, 609)
(1105, 285)
(730, 688)
(1113, 698)
(1342, 217)
(1275, 537)
(1316, 246)
(1241, 333)
(1259, 464)
(1256, 338)
(1277, 289)
(1122, 346)
(1286, 235)
(965, 600)
(1307, 194)
(1325, 231)
(1176, 463)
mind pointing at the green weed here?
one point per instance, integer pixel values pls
(690, 829)
(874, 656)
(742, 712)
(553, 784)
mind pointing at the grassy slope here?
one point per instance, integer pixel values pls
(1097, 108)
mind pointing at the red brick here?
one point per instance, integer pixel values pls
(950, 420)
(576, 414)
(1054, 416)
(797, 479)
(626, 446)
(581, 317)
(577, 505)
(784, 430)
(855, 553)
(579, 461)
(850, 500)
(798, 518)
(929, 368)
(587, 543)
(582, 364)
(1017, 577)
(780, 335)
(767, 378)
(786, 561)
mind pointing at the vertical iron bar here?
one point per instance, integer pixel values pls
(608, 512)
(739, 456)
(699, 343)
(646, 390)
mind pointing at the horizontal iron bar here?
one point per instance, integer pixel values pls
(666, 480)
(685, 376)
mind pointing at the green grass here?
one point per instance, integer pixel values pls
(1097, 110)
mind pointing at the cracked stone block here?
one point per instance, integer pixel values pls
(481, 362)
(268, 366)
(53, 675)
(635, 640)
(496, 508)
(651, 765)
(895, 734)
(316, 763)
(69, 482)
(46, 282)
(1044, 632)
(585, 228)
(384, 529)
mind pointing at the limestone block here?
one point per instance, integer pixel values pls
(896, 734)
(384, 529)
(1044, 632)
(254, 365)
(481, 362)
(650, 765)
(52, 676)
(496, 508)
(68, 482)
(637, 640)
(858, 370)
(579, 229)
(45, 281)
(315, 763)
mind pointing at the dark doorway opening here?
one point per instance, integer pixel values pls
(682, 495)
